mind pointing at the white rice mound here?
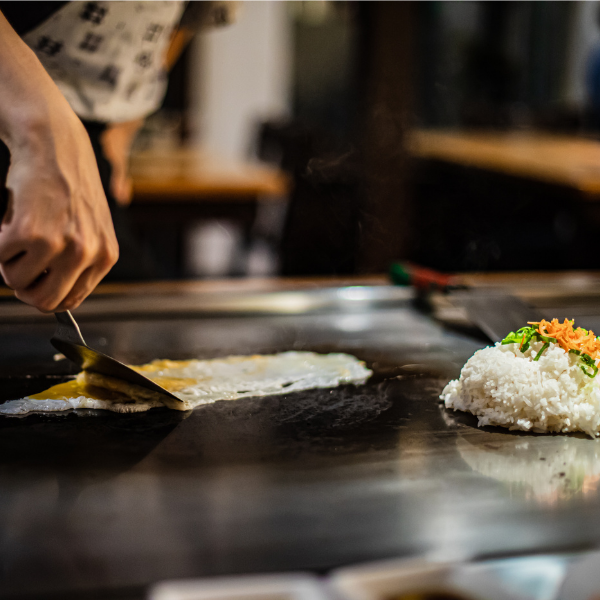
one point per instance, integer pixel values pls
(503, 386)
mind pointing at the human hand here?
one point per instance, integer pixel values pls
(57, 240)
(116, 141)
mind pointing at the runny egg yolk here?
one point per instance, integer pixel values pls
(173, 384)
(157, 365)
(74, 389)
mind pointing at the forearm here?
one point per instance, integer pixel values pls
(179, 40)
(116, 142)
(56, 238)
(29, 99)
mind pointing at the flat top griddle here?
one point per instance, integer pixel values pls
(99, 505)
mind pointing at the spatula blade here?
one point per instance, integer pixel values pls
(68, 339)
(496, 312)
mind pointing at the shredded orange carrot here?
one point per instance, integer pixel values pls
(569, 338)
(523, 339)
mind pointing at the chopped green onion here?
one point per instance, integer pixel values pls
(527, 341)
(590, 363)
(594, 372)
(537, 356)
(526, 335)
(517, 337)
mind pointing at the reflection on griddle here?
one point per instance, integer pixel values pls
(103, 446)
(549, 474)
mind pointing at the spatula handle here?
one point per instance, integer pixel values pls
(67, 329)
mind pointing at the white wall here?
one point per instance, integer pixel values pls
(243, 74)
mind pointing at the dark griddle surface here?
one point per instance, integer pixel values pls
(107, 504)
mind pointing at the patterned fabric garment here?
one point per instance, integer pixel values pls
(107, 58)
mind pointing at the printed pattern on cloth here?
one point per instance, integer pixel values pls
(107, 57)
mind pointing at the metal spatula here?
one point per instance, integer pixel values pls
(495, 311)
(68, 339)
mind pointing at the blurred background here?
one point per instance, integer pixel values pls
(332, 138)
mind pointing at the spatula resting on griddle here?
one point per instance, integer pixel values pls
(495, 311)
(68, 339)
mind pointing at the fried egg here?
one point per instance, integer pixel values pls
(197, 382)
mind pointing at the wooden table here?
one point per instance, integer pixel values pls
(174, 188)
(194, 175)
(472, 188)
(569, 161)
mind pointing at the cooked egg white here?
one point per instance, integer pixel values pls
(198, 382)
